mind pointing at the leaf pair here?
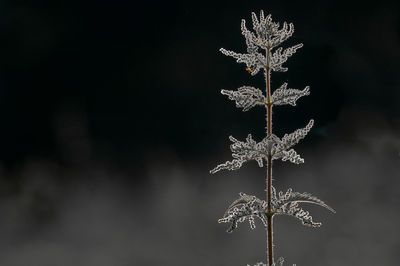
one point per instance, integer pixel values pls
(243, 151)
(247, 207)
(247, 97)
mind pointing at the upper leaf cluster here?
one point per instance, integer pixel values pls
(266, 35)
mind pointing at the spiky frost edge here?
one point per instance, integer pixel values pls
(292, 209)
(246, 207)
(267, 33)
(246, 97)
(281, 199)
(279, 57)
(283, 95)
(289, 140)
(255, 61)
(288, 204)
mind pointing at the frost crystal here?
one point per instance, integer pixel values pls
(288, 203)
(282, 95)
(245, 207)
(246, 97)
(266, 36)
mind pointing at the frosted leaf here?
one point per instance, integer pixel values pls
(287, 203)
(243, 151)
(254, 60)
(282, 35)
(291, 139)
(267, 33)
(246, 97)
(279, 200)
(230, 165)
(278, 262)
(304, 216)
(283, 95)
(280, 150)
(273, 193)
(246, 207)
(251, 39)
(279, 57)
(292, 156)
(248, 150)
(252, 222)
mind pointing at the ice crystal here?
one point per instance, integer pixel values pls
(246, 97)
(283, 95)
(266, 36)
(288, 204)
(246, 207)
(278, 262)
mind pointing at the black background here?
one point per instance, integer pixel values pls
(111, 118)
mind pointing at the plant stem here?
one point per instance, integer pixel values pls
(270, 252)
(270, 244)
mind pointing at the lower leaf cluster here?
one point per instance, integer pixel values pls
(247, 207)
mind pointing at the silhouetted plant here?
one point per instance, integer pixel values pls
(267, 37)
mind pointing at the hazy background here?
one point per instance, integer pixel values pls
(111, 118)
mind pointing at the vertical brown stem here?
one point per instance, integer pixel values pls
(270, 245)
(270, 252)
(269, 119)
(269, 213)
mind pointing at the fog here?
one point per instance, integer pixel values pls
(90, 215)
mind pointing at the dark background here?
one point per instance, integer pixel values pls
(111, 118)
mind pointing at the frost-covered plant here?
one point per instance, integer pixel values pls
(264, 54)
